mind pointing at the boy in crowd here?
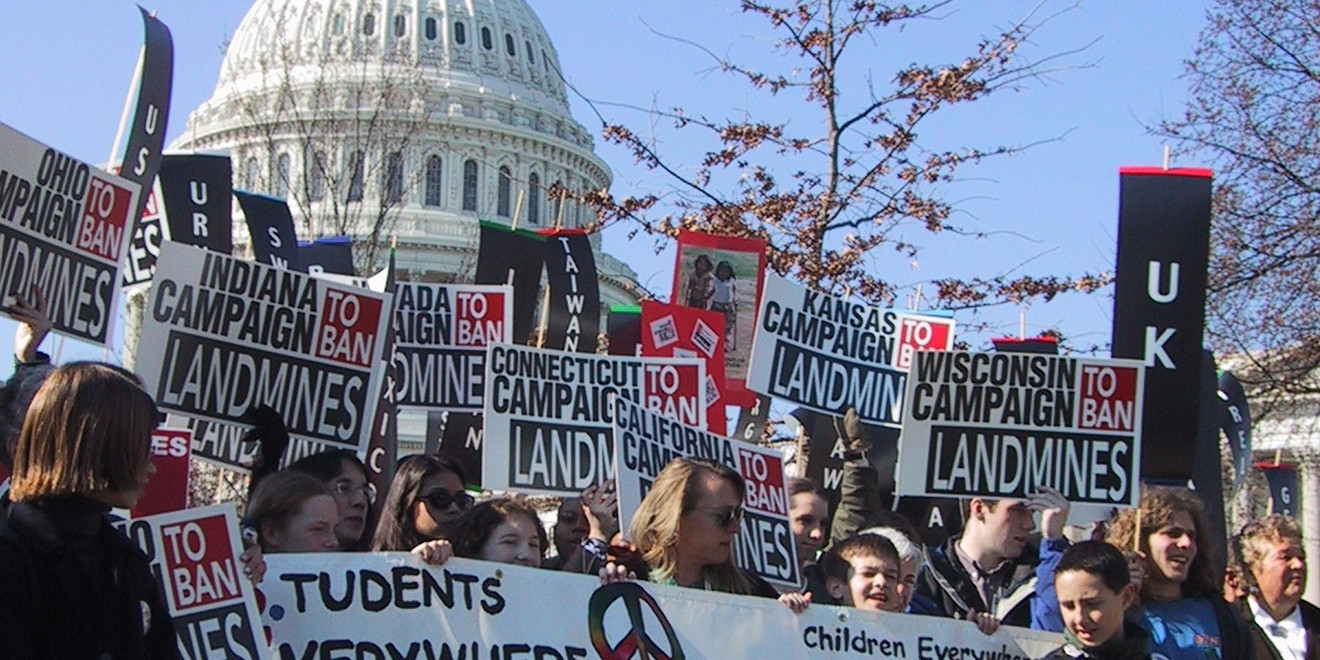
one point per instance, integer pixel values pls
(863, 572)
(1094, 591)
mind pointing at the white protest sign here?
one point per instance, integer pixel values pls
(195, 554)
(548, 413)
(64, 228)
(645, 442)
(829, 353)
(345, 605)
(441, 334)
(222, 335)
(1004, 424)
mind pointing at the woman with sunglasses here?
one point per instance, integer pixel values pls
(685, 529)
(425, 499)
(75, 587)
(346, 477)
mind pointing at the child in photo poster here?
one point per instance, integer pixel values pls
(724, 298)
(700, 284)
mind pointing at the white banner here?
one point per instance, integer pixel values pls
(1004, 424)
(645, 442)
(222, 335)
(548, 413)
(342, 605)
(441, 334)
(213, 604)
(829, 353)
(65, 227)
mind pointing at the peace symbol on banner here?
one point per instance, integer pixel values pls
(636, 641)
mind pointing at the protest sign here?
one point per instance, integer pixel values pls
(513, 257)
(548, 413)
(677, 331)
(1159, 304)
(391, 606)
(227, 335)
(645, 442)
(457, 436)
(270, 227)
(624, 327)
(146, 134)
(194, 554)
(197, 192)
(168, 489)
(442, 334)
(329, 254)
(1235, 422)
(1005, 424)
(222, 445)
(64, 229)
(573, 308)
(1285, 498)
(724, 274)
(143, 249)
(829, 353)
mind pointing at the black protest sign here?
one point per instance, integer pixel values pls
(197, 190)
(333, 254)
(443, 333)
(645, 442)
(146, 135)
(936, 518)
(624, 327)
(222, 445)
(752, 420)
(548, 413)
(573, 321)
(460, 441)
(270, 227)
(64, 229)
(1235, 422)
(1005, 424)
(827, 453)
(151, 230)
(1159, 304)
(513, 257)
(1285, 498)
(830, 354)
(228, 335)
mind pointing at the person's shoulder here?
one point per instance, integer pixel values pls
(1310, 615)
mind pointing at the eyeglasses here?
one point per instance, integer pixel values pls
(440, 499)
(348, 489)
(727, 517)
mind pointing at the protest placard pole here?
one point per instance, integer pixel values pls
(544, 324)
(559, 216)
(1136, 532)
(517, 209)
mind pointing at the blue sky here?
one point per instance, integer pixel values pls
(67, 66)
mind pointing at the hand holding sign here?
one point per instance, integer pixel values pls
(33, 325)
(1053, 509)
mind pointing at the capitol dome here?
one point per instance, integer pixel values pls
(410, 119)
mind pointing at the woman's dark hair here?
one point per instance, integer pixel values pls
(722, 268)
(474, 527)
(328, 466)
(1099, 559)
(396, 530)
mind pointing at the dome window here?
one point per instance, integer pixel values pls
(435, 183)
(337, 25)
(282, 175)
(460, 33)
(369, 24)
(486, 41)
(531, 57)
(253, 174)
(503, 192)
(470, 185)
(430, 29)
(316, 178)
(400, 25)
(508, 45)
(545, 62)
(355, 165)
(534, 198)
(392, 181)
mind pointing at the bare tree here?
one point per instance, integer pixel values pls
(1255, 86)
(825, 200)
(336, 121)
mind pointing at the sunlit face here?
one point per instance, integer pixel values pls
(1008, 527)
(431, 523)
(703, 538)
(808, 513)
(1091, 611)
(311, 529)
(350, 491)
(1172, 550)
(515, 541)
(1281, 573)
(871, 586)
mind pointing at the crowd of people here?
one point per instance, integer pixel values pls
(75, 587)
